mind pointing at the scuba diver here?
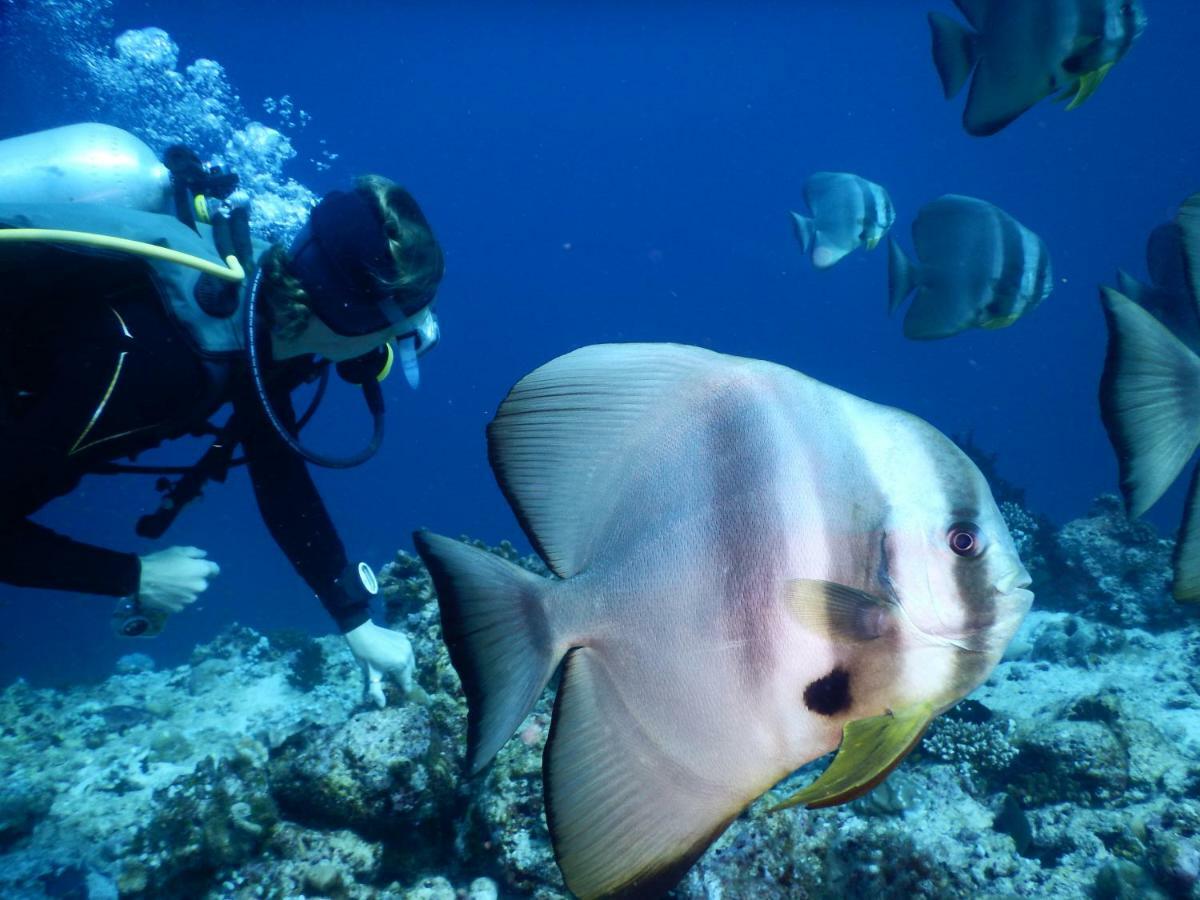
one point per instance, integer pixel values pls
(136, 305)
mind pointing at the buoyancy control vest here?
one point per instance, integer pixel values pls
(210, 309)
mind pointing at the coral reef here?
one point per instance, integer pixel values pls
(256, 771)
(1112, 569)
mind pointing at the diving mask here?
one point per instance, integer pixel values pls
(343, 259)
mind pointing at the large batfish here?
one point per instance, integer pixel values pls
(977, 267)
(1150, 392)
(1025, 50)
(753, 567)
(848, 212)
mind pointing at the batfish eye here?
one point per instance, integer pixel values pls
(963, 538)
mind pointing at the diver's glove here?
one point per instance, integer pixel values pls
(173, 578)
(380, 652)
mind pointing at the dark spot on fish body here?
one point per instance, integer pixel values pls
(829, 694)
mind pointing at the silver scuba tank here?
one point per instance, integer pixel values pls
(85, 163)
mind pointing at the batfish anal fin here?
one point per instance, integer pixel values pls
(871, 748)
(626, 819)
(1088, 83)
(837, 611)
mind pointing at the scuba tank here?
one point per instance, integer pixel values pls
(84, 163)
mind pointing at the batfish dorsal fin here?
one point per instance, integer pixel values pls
(871, 748)
(625, 819)
(565, 439)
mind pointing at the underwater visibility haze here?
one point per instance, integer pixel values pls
(724, 285)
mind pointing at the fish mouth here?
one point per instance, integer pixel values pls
(1016, 580)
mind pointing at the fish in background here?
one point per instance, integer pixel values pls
(752, 566)
(977, 267)
(1022, 51)
(1168, 296)
(847, 212)
(1150, 397)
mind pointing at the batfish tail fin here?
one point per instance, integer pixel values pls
(1130, 286)
(954, 52)
(805, 229)
(1149, 400)
(902, 275)
(495, 627)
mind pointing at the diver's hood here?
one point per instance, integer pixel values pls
(341, 256)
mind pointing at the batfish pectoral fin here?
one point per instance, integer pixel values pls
(870, 749)
(837, 611)
(1088, 83)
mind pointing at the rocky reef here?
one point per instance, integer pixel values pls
(256, 771)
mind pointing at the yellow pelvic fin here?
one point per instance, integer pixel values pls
(1001, 321)
(1088, 82)
(872, 243)
(870, 749)
(387, 365)
(234, 272)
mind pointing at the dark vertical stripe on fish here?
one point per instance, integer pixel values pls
(747, 526)
(1006, 295)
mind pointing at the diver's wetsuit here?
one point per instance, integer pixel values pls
(58, 356)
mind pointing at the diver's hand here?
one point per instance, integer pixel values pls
(381, 651)
(173, 578)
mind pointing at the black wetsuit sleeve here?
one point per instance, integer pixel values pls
(34, 556)
(293, 510)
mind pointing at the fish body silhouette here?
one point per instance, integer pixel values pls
(847, 212)
(752, 567)
(1022, 51)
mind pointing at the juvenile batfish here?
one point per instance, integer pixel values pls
(847, 212)
(1150, 395)
(1025, 50)
(978, 267)
(753, 567)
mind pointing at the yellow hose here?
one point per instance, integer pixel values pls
(234, 272)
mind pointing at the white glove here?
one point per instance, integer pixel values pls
(173, 578)
(380, 651)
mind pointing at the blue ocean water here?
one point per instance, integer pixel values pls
(622, 172)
